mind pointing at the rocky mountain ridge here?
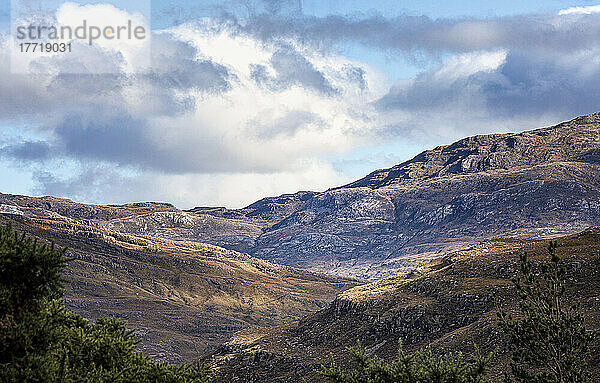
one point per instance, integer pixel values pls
(574, 141)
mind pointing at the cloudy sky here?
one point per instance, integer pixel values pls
(245, 99)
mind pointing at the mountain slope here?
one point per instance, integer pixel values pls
(182, 297)
(449, 304)
(534, 184)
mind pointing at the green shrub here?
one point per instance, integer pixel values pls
(421, 367)
(548, 340)
(41, 341)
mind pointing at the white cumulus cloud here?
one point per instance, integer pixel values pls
(580, 10)
(218, 118)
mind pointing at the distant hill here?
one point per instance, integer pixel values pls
(535, 184)
(184, 298)
(449, 304)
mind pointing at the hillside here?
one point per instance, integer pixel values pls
(536, 184)
(184, 298)
(449, 304)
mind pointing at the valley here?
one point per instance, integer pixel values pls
(422, 252)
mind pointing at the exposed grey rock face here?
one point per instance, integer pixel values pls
(539, 183)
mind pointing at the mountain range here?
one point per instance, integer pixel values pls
(273, 287)
(182, 298)
(535, 184)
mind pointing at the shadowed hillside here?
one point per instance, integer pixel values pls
(449, 304)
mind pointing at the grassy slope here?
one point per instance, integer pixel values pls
(183, 297)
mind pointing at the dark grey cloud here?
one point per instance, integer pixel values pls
(70, 85)
(524, 88)
(117, 137)
(291, 68)
(192, 74)
(528, 84)
(410, 34)
(26, 151)
(114, 136)
(175, 66)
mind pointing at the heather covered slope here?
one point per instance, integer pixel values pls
(449, 304)
(183, 297)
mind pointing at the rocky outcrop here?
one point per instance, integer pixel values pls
(535, 184)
